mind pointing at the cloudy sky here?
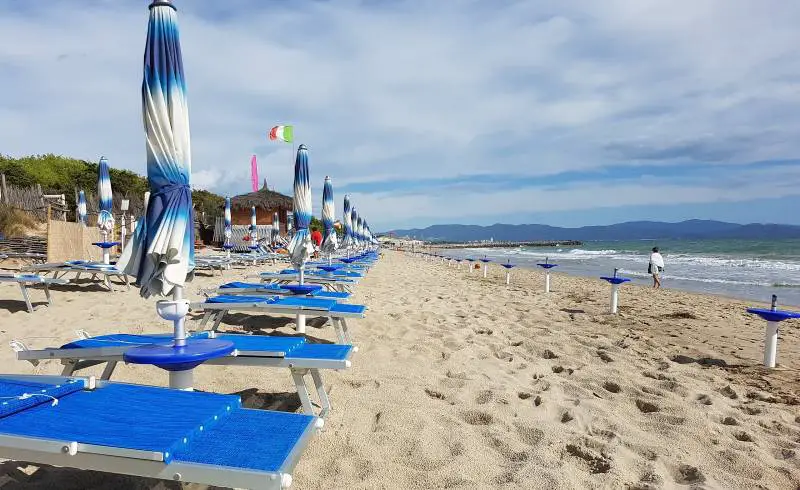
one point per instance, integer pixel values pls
(430, 111)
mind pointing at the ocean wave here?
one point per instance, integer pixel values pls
(712, 280)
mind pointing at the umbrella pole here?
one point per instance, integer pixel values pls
(106, 252)
(300, 321)
(175, 311)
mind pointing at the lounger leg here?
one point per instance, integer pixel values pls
(77, 277)
(302, 390)
(206, 316)
(69, 368)
(218, 320)
(26, 297)
(341, 337)
(345, 331)
(108, 370)
(47, 294)
(127, 282)
(324, 401)
(107, 283)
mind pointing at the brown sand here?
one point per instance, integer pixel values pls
(463, 382)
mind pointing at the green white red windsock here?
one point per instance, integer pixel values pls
(282, 133)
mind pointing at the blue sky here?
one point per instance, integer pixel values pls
(464, 111)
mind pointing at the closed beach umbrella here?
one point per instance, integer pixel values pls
(253, 227)
(329, 239)
(228, 226)
(360, 230)
(105, 218)
(353, 225)
(300, 248)
(82, 208)
(348, 223)
(161, 254)
(276, 227)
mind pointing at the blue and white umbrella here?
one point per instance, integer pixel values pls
(82, 208)
(301, 246)
(161, 254)
(348, 223)
(253, 227)
(353, 226)
(228, 227)
(105, 218)
(276, 227)
(329, 238)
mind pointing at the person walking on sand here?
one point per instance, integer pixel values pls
(656, 267)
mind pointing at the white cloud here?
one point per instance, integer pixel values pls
(400, 90)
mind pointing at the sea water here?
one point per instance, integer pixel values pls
(746, 269)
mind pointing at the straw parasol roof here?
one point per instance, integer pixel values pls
(263, 198)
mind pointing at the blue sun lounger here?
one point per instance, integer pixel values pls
(303, 359)
(26, 280)
(152, 432)
(331, 283)
(78, 267)
(217, 306)
(259, 288)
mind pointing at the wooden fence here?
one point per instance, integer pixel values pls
(33, 200)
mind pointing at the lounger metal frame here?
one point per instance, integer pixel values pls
(76, 359)
(217, 311)
(61, 270)
(25, 282)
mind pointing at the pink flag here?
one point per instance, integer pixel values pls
(254, 173)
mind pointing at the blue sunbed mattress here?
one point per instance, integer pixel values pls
(192, 427)
(258, 286)
(291, 347)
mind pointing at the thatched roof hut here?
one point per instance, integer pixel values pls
(267, 202)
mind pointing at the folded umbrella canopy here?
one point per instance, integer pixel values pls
(228, 226)
(329, 238)
(347, 242)
(301, 248)
(82, 208)
(161, 254)
(253, 228)
(105, 218)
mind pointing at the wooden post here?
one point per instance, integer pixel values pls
(4, 188)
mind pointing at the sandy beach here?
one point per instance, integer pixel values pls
(464, 382)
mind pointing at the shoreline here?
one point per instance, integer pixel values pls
(637, 280)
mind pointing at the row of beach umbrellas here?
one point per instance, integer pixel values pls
(160, 253)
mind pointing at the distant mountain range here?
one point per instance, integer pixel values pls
(632, 230)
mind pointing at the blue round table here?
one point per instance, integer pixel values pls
(547, 266)
(773, 317)
(615, 281)
(179, 361)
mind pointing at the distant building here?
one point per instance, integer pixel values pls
(267, 203)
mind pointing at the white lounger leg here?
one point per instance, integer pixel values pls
(47, 294)
(324, 401)
(26, 297)
(298, 375)
(341, 336)
(206, 316)
(218, 320)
